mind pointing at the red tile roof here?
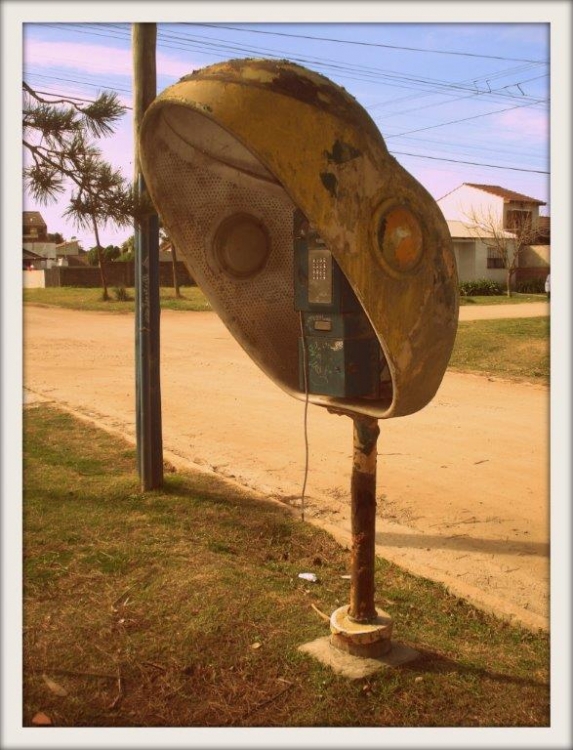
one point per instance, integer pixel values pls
(508, 195)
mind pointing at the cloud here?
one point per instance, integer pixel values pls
(531, 124)
(95, 59)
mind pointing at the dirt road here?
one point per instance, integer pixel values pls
(495, 312)
(462, 485)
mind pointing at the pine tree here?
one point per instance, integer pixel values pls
(57, 137)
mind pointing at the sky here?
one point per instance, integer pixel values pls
(455, 102)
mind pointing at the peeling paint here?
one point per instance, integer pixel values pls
(367, 431)
(342, 152)
(330, 182)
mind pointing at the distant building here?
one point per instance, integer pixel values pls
(477, 258)
(31, 260)
(35, 239)
(69, 247)
(511, 209)
(34, 228)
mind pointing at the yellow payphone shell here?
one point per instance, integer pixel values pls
(232, 151)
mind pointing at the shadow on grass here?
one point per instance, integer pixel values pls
(432, 662)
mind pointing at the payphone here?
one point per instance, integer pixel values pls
(339, 353)
(327, 261)
(230, 154)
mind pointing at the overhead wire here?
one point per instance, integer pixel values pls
(119, 32)
(394, 153)
(392, 79)
(370, 44)
(472, 163)
(455, 122)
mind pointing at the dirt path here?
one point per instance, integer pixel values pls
(495, 312)
(462, 485)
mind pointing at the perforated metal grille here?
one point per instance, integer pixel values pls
(259, 310)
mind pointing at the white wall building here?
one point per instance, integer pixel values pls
(500, 208)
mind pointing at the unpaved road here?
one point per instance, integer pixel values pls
(462, 485)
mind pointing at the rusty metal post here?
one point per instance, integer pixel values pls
(359, 628)
(363, 518)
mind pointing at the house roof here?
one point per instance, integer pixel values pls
(507, 195)
(33, 219)
(29, 255)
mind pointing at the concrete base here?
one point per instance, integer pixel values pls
(356, 667)
(365, 639)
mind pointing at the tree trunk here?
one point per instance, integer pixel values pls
(174, 266)
(101, 261)
(509, 275)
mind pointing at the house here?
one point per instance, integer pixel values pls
(69, 253)
(503, 212)
(34, 228)
(475, 258)
(68, 247)
(35, 239)
(31, 260)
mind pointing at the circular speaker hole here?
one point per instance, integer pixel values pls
(242, 246)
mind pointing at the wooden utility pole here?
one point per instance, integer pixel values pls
(147, 311)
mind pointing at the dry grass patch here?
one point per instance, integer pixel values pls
(183, 607)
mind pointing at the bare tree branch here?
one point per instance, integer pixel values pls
(508, 245)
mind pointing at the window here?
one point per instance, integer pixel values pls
(495, 258)
(517, 220)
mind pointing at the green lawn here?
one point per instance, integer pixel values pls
(183, 608)
(515, 348)
(82, 298)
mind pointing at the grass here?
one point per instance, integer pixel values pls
(147, 608)
(517, 349)
(503, 299)
(82, 298)
(193, 299)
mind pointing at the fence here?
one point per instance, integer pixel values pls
(118, 273)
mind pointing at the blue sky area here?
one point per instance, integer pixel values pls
(455, 102)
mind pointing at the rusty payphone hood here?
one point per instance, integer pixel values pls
(291, 134)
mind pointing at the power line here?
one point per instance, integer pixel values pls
(473, 94)
(370, 73)
(440, 144)
(463, 119)
(394, 153)
(471, 163)
(116, 89)
(367, 44)
(216, 46)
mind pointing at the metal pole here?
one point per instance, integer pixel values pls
(147, 310)
(359, 628)
(363, 519)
